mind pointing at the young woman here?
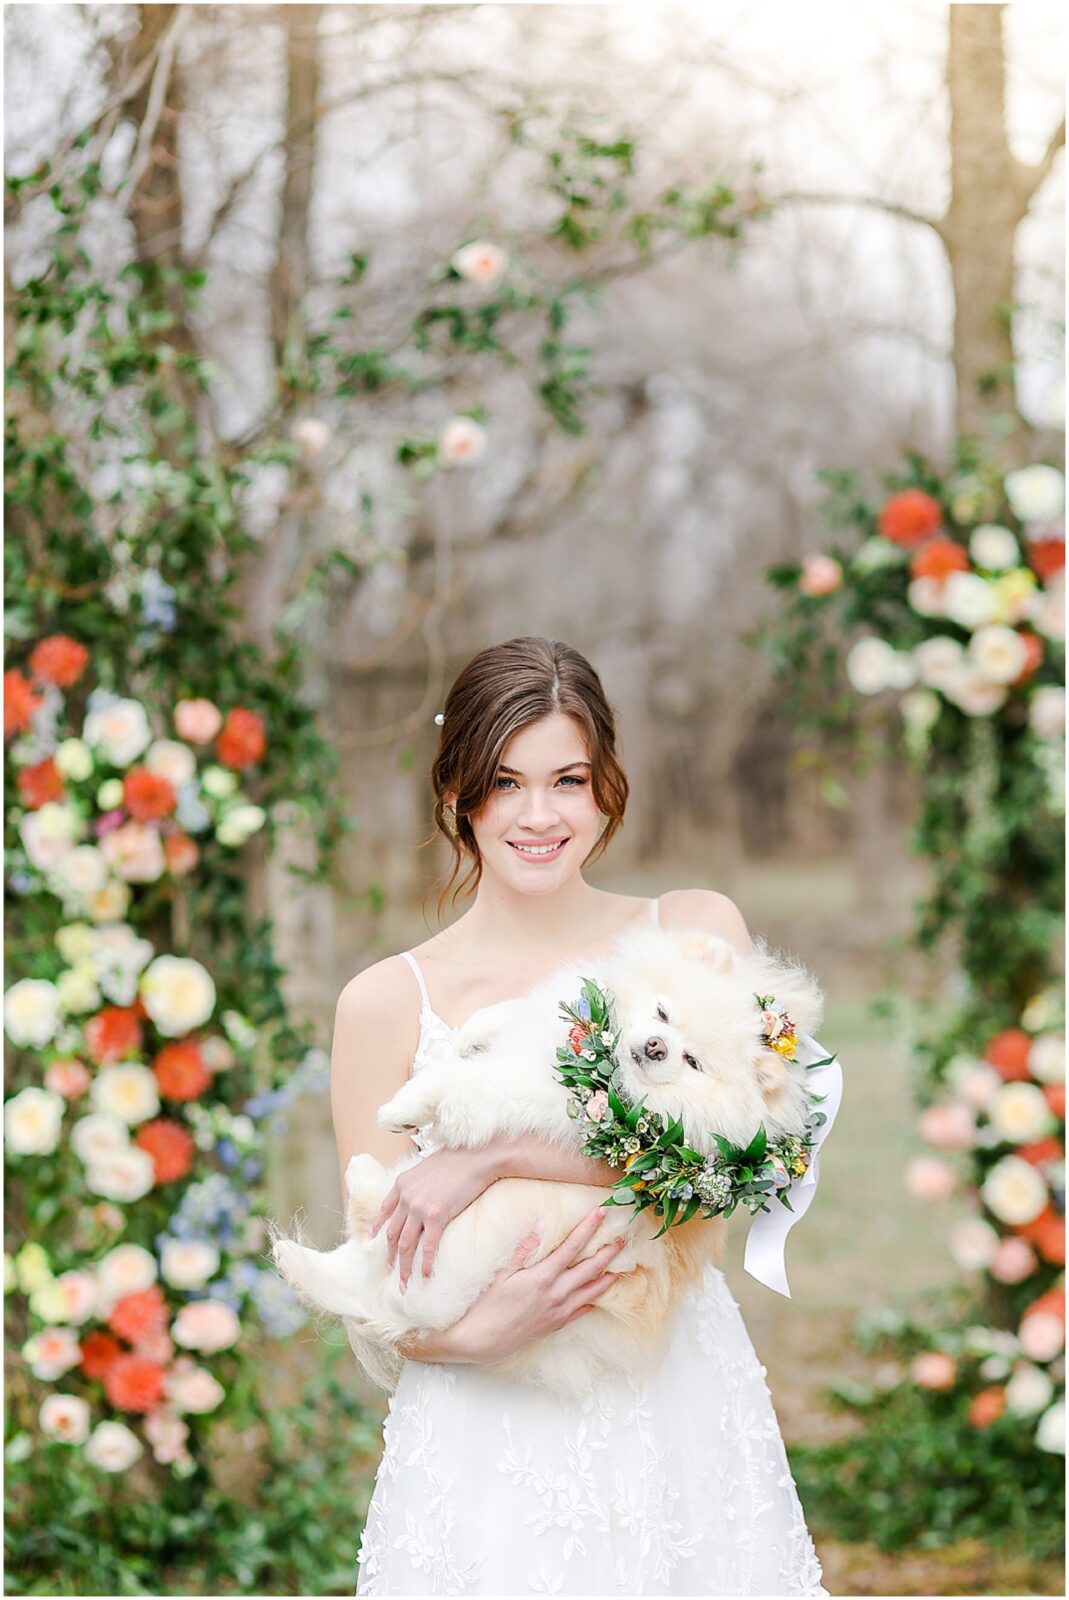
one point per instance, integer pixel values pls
(675, 1484)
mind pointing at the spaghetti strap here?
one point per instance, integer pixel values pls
(655, 912)
(414, 964)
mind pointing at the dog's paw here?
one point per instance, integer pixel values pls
(403, 1113)
(709, 947)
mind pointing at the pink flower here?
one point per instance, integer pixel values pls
(134, 853)
(772, 1023)
(68, 1078)
(821, 574)
(1042, 1335)
(157, 1347)
(197, 720)
(166, 1433)
(597, 1105)
(1014, 1260)
(193, 1388)
(108, 822)
(207, 1325)
(948, 1127)
(934, 1369)
(929, 1179)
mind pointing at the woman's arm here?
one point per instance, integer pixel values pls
(530, 1156)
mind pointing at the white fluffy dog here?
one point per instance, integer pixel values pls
(690, 1045)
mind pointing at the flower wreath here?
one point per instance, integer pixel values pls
(660, 1168)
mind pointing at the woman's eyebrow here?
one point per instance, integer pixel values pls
(512, 772)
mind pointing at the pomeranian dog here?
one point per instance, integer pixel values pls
(690, 1045)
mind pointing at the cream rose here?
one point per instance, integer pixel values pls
(49, 832)
(938, 660)
(122, 1175)
(170, 759)
(113, 1447)
(77, 990)
(64, 1417)
(1046, 1058)
(1050, 1435)
(1014, 593)
(1020, 1113)
(188, 1263)
(82, 871)
(109, 904)
(97, 1134)
(1014, 1191)
(206, 1325)
(110, 794)
(73, 759)
(127, 1090)
(973, 1243)
(178, 994)
(1046, 712)
(76, 942)
(117, 727)
(33, 1120)
(925, 596)
(993, 547)
(134, 852)
(997, 653)
(126, 1269)
(31, 1013)
(870, 666)
(968, 600)
(1029, 1390)
(1035, 493)
(974, 695)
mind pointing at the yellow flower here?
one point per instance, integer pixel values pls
(785, 1045)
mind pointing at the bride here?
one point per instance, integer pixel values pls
(674, 1484)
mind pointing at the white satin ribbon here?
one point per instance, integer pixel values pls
(763, 1259)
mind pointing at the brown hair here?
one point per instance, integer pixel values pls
(502, 690)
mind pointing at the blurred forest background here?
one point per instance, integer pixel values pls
(746, 219)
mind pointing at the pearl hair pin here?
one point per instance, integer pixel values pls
(440, 718)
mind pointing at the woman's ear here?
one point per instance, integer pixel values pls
(707, 947)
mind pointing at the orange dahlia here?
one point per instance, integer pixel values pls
(1034, 646)
(170, 1146)
(1054, 1094)
(135, 1316)
(1008, 1054)
(133, 1384)
(910, 517)
(20, 703)
(1046, 557)
(578, 1034)
(40, 783)
(113, 1034)
(938, 558)
(180, 1071)
(242, 741)
(99, 1350)
(59, 659)
(1041, 1151)
(1047, 1233)
(147, 796)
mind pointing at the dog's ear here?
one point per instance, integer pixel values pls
(771, 1073)
(708, 947)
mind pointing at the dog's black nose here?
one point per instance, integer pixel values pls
(656, 1049)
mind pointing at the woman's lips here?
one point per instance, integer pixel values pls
(548, 855)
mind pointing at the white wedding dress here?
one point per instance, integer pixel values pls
(676, 1484)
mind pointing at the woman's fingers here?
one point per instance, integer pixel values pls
(406, 1247)
(432, 1238)
(386, 1209)
(574, 1243)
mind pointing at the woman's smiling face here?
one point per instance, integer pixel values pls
(542, 799)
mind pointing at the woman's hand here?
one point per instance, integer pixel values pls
(426, 1197)
(522, 1302)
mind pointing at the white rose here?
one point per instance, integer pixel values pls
(1036, 493)
(973, 1243)
(1020, 1113)
(311, 435)
(188, 1263)
(74, 760)
(113, 1447)
(480, 261)
(33, 1119)
(118, 960)
(178, 993)
(925, 596)
(968, 599)
(1046, 608)
(974, 695)
(49, 832)
(77, 990)
(127, 1269)
(1014, 1191)
(127, 1091)
(870, 665)
(994, 547)
(1029, 1390)
(122, 1175)
(998, 654)
(109, 904)
(461, 442)
(1050, 1435)
(938, 659)
(31, 1013)
(116, 726)
(82, 871)
(65, 1417)
(1046, 712)
(902, 670)
(171, 759)
(51, 1353)
(97, 1135)
(1046, 1058)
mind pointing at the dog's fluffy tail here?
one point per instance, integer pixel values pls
(323, 1280)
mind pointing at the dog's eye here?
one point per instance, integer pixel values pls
(662, 1013)
(689, 1059)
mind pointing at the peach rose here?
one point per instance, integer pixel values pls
(197, 720)
(134, 852)
(206, 1325)
(68, 1078)
(934, 1369)
(929, 1179)
(820, 575)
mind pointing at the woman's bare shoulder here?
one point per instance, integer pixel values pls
(705, 908)
(386, 987)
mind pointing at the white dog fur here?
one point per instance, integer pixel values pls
(502, 1080)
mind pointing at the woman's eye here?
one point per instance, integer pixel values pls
(568, 777)
(662, 1013)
